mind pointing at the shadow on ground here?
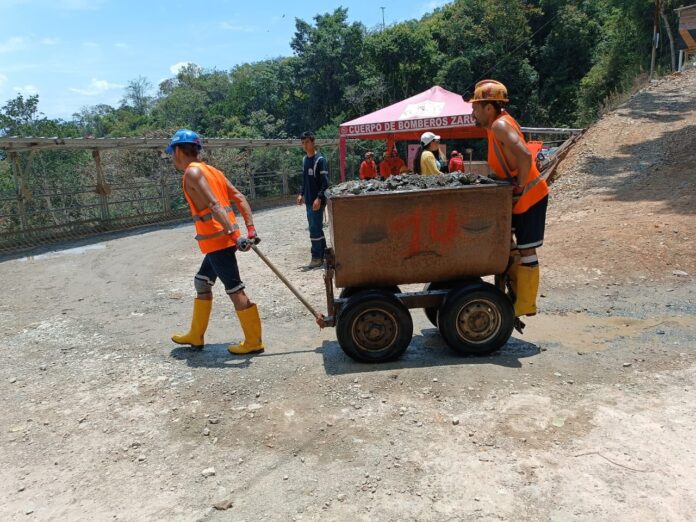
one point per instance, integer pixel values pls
(425, 351)
(217, 356)
(653, 170)
(664, 109)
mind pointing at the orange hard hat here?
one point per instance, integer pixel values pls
(490, 90)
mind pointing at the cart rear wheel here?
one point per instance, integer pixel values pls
(476, 319)
(374, 326)
(431, 312)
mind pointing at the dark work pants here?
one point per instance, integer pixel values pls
(315, 218)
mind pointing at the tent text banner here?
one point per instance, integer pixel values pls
(442, 122)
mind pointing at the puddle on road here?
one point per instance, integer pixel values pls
(586, 333)
(67, 252)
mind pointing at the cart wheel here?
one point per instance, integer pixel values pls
(374, 326)
(476, 319)
(352, 290)
(431, 313)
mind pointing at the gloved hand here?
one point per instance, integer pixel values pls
(244, 244)
(252, 236)
(251, 232)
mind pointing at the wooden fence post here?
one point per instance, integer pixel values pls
(23, 192)
(252, 186)
(102, 187)
(166, 199)
(286, 184)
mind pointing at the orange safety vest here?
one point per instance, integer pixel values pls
(384, 169)
(210, 234)
(395, 165)
(536, 188)
(368, 169)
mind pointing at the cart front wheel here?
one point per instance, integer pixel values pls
(476, 319)
(374, 326)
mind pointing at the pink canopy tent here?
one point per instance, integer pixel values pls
(436, 109)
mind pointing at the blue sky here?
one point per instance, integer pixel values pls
(77, 53)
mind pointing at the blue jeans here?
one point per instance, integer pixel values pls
(315, 218)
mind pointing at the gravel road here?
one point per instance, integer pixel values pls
(587, 416)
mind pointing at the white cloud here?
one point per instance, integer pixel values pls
(3, 80)
(50, 41)
(27, 89)
(90, 44)
(13, 44)
(97, 87)
(178, 66)
(120, 45)
(227, 26)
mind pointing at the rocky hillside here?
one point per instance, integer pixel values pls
(629, 187)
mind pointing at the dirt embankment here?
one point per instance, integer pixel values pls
(588, 416)
(625, 199)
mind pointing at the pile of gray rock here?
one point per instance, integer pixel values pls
(405, 182)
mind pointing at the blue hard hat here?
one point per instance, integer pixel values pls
(184, 136)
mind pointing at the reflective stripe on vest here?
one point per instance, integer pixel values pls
(200, 237)
(510, 177)
(209, 216)
(210, 234)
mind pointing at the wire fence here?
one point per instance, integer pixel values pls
(48, 197)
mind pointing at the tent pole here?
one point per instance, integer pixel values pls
(342, 156)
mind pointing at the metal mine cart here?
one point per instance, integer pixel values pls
(447, 238)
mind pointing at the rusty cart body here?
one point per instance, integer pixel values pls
(444, 238)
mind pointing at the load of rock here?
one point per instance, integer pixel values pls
(406, 182)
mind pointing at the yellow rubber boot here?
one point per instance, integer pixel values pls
(527, 288)
(199, 324)
(251, 325)
(512, 274)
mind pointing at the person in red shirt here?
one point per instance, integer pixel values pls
(456, 163)
(396, 164)
(368, 168)
(384, 171)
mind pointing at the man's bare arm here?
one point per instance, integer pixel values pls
(514, 149)
(200, 192)
(241, 203)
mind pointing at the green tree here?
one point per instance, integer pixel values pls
(407, 58)
(564, 58)
(137, 95)
(329, 55)
(94, 121)
(20, 116)
(624, 50)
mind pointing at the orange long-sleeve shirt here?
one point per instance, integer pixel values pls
(368, 169)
